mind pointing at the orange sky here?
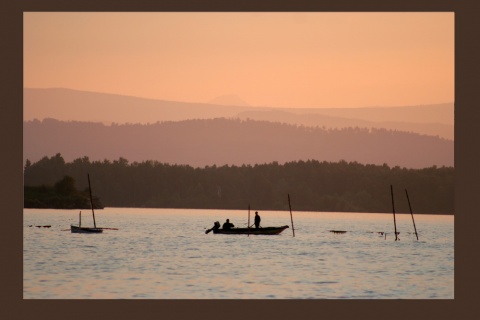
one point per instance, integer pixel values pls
(267, 59)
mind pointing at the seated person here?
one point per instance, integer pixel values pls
(227, 225)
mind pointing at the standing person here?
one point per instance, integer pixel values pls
(227, 225)
(257, 220)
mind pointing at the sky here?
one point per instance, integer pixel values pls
(296, 60)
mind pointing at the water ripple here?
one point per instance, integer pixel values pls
(151, 257)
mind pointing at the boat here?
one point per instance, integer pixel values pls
(79, 228)
(266, 231)
(253, 231)
(249, 230)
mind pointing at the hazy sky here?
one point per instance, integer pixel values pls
(267, 59)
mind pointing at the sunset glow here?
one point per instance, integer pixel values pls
(265, 59)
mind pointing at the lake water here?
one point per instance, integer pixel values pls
(165, 254)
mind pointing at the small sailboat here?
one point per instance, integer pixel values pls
(79, 228)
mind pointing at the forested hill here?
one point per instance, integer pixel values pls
(312, 185)
(200, 143)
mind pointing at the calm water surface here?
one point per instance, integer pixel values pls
(165, 254)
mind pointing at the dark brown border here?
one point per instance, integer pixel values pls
(467, 177)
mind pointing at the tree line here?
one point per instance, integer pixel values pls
(62, 195)
(312, 185)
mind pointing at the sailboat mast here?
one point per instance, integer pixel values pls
(91, 200)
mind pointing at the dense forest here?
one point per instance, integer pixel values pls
(62, 195)
(207, 142)
(312, 185)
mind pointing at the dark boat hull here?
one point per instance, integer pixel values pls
(254, 231)
(75, 229)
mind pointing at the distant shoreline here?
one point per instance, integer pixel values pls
(303, 211)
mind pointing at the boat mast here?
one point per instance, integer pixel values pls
(91, 201)
(291, 217)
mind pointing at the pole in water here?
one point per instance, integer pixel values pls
(411, 213)
(291, 217)
(393, 205)
(248, 225)
(91, 200)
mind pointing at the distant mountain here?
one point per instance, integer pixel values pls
(74, 105)
(220, 142)
(67, 104)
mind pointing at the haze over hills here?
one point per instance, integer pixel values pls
(222, 141)
(103, 126)
(322, 120)
(67, 105)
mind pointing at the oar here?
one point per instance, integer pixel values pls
(216, 225)
(209, 230)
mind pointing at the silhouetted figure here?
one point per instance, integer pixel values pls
(257, 220)
(216, 226)
(227, 225)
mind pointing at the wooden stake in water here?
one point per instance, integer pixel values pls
(248, 225)
(291, 217)
(411, 214)
(91, 201)
(393, 205)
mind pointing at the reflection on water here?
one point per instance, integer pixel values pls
(165, 254)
